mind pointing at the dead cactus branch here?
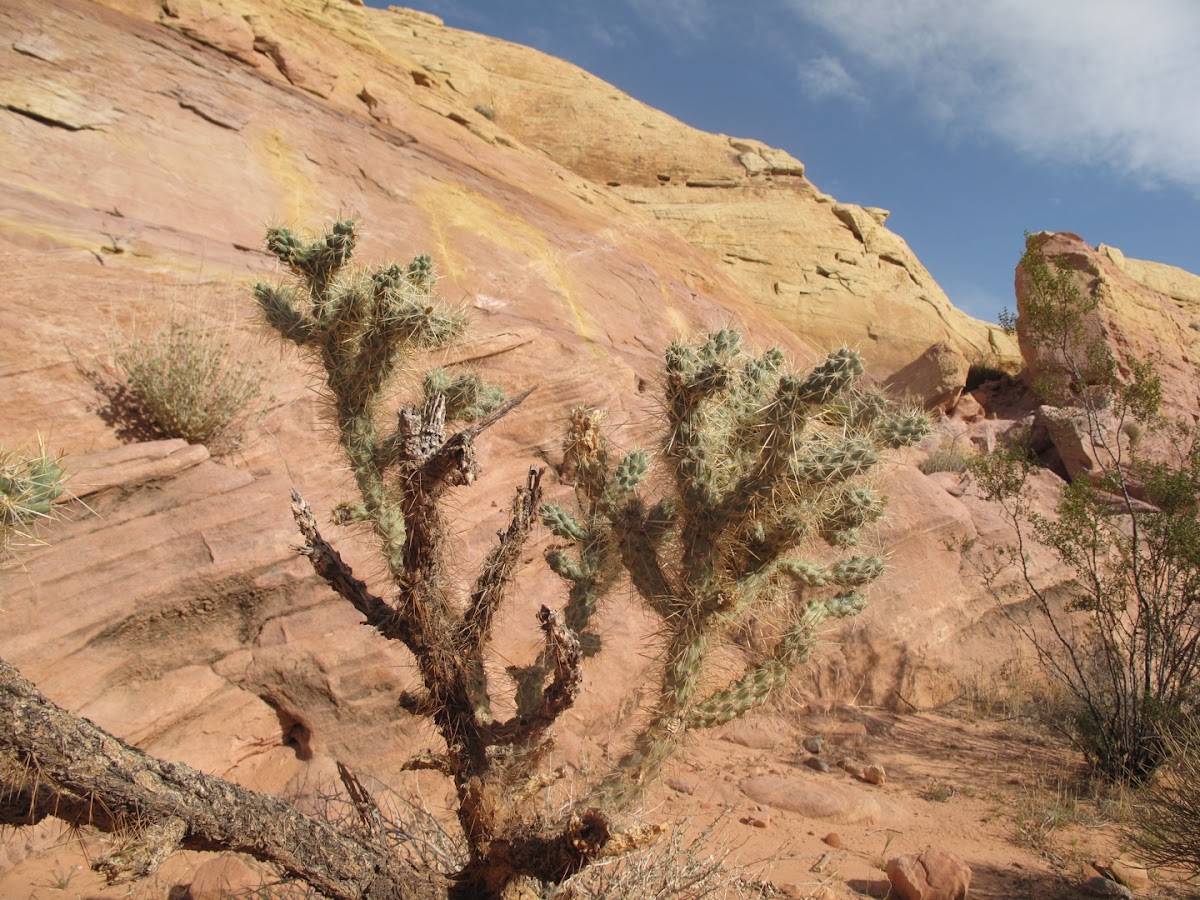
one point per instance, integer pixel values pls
(76, 772)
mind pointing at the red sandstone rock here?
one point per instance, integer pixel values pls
(930, 875)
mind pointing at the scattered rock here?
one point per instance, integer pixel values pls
(682, 785)
(930, 875)
(843, 804)
(816, 763)
(1099, 886)
(968, 409)
(874, 774)
(813, 744)
(1131, 874)
(757, 819)
(833, 839)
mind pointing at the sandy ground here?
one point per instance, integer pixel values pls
(999, 794)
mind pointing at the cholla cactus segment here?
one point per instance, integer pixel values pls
(387, 278)
(903, 430)
(420, 271)
(340, 243)
(565, 566)
(29, 485)
(797, 642)
(278, 304)
(630, 471)
(721, 346)
(760, 681)
(850, 603)
(836, 462)
(807, 573)
(693, 375)
(852, 571)
(660, 519)
(857, 409)
(759, 371)
(857, 570)
(831, 377)
(852, 508)
(749, 692)
(585, 454)
(284, 244)
(561, 523)
(318, 259)
(468, 397)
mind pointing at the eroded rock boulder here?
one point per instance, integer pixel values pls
(935, 379)
(929, 875)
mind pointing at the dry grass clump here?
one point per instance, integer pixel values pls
(669, 869)
(185, 380)
(1164, 824)
(949, 457)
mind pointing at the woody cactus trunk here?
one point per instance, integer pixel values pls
(756, 460)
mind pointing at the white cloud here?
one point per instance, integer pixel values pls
(825, 77)
(1083, 81)
(677, 19)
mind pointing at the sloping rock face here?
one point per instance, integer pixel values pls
(831, 272)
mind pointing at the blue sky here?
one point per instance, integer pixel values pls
(971, 121)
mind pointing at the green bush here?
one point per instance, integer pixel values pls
(1126, 642)
(185, 381)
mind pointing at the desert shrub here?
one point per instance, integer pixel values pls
(1123, 636)
(185, 381)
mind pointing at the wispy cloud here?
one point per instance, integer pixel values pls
(1104, 82)
(677, 19)
(608, 35)
(824, 77)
